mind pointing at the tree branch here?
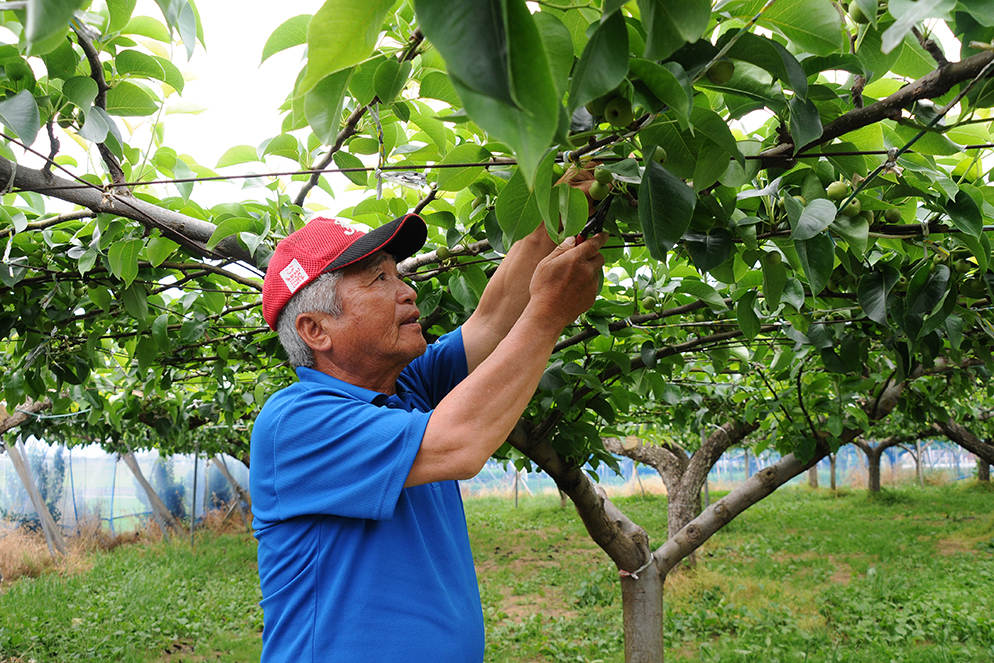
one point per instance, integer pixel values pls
(626, 543)
(97, 74)
(930, 86)
(190, 233)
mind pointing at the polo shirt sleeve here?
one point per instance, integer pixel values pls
(340, 456)
(435, 373)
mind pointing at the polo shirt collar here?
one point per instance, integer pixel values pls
(377, 398)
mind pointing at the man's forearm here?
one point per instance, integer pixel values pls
(505, 297)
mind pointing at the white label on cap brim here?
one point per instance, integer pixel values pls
(293, 276)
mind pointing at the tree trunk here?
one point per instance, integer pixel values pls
(162, 514)
(983, 471)
(642, 609)
(918, 464)
(813, 477)
(53, 536)
(873, 471)
(243, 494)
(831, 460)
(681, 508)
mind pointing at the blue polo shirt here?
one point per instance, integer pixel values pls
(353, 566)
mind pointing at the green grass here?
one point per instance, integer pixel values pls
(905, 576)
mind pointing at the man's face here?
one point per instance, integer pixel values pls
(378, 328)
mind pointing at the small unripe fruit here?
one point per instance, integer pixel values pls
(856, 13)
(853, 208)
(721, 72)
(963, 266)
(893, 215)
(619, 112)
(700, 317)
(868, 215)
(773, 258)
(599, 191)
(659, 155)
(596, 106)
(603, 175)
(442, 253)
(649, 303)
(837, 190)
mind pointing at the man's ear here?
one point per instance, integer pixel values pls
(313, 329)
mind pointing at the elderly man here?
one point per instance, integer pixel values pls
(363, 548)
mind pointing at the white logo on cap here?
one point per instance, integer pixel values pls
(346, 228)
(294, 276)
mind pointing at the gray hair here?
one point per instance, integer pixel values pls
(320, 295)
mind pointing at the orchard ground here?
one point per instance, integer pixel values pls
(807, 574)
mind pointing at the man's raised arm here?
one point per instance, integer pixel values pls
(475, 418)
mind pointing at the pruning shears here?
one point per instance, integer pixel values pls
(595, 223)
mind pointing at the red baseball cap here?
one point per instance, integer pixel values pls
(324, 245)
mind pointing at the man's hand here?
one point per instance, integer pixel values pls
(565, 282)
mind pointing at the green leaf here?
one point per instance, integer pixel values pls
(669, 83)
(529, 127)
(80, 91)
(345, 160)
(965, 214)
(666, 205)
(323, 106)
(474, 38)
(20, 114)
(573, 208)
(97, 125)
(341, 34)
(436, 85)
(158, 249)
(123, 257)
(129, 100)
(517, 209)
(284, 145)
(139, 64)
(47, 20)
(773, 58)
(712, 162)
(908, 14)
(774, 280)
(456, 179)
(135, 300)
(290, 33)
(709, 250)
(146, 26)
(229, 227)
(558, 47)
(746, 315)
(669, 25)
(238, 154)
(805, 122)
(647, 353)
(815, 217)
(926, 289)
(390, 78)
(120, 13)
(703, 292)
(855, 230)
(814, 25)
(173, 76)
(146, 352)
(817, 256)
(873, 290)
(603, 64)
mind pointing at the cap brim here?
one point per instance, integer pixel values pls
(401, 238)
